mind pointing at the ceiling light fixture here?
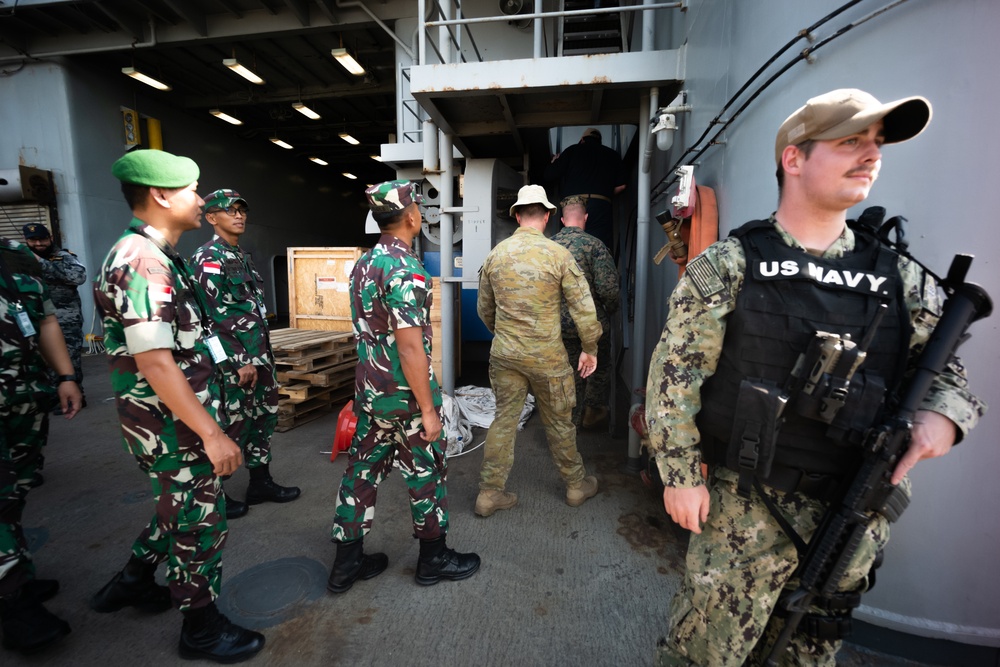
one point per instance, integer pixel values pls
(349, 139)
(319, 161)
(234, 64)
(349, 175)
(145, 78)
(377, 158)
(306, 111)
(278, 142)
(221, 115)
(347, 61)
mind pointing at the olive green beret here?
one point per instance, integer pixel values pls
(157, 169)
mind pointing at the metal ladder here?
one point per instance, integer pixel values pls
(597, 33)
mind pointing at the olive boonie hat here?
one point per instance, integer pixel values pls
(531, 194)
(33, 230)
(847, 111)
(157, 169)
(392, 196)
(223, 199)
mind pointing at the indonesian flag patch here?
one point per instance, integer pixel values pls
(211, 267)
(419, 281)
(161, 293)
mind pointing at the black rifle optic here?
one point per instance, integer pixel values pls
(843, 525)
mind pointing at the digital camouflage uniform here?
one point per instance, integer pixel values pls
(25, 398)
(63, 273)
(147, 299)
(521, 284)
(390, 290)
(235, 296)
(740, 562)
(598, 267)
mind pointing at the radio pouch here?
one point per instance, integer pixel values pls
(755, 430)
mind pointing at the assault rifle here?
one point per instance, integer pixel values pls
(843, 526)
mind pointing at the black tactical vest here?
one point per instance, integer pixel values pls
(787, 296)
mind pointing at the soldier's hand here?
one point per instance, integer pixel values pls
(587, 364)
(247, 376)
(70, 398)
(687, 507)
(432, 426)
(932, 436)
(224, 454)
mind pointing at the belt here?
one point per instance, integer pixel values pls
(601, 197)
(788, 480)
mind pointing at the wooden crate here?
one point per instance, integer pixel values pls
(318, 283)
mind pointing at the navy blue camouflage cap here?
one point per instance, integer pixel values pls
(156, 169)
(392, 196)
(223, 199)
(33, 230)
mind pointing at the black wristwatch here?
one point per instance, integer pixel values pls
(65, 378)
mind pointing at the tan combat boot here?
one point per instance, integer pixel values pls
(491, 500)
(595, 418)
(587, 489)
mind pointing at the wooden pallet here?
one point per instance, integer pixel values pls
(294, 344)
(327, 376)
(294, 412)
(315, 371)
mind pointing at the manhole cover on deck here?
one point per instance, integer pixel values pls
(267, 594)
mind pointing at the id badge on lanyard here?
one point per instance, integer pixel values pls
(24, 322)
(215, 349)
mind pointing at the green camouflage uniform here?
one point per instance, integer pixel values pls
(740, 562)
(25, 398)
(390, 290)
(147, 299)
(235, 296)
(63, 273)
(598, 267)
(521, 284)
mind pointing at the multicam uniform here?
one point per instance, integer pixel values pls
(25, 398)
(235, 296)
(147, 298)
(522, 282)
(63, 273)
(598, 267)
(742, 560)
(390, 290)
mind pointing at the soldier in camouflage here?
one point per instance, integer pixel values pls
(717, 340)
(594, 259)
(163, 372)
(63, 274)
(31, 343)
(235, 294)
(397, 401)
(521, 285)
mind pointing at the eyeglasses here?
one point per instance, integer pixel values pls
(232, 210)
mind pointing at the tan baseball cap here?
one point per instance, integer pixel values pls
(846, 111)
(531, 194)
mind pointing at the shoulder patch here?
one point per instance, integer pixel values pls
(704, 277)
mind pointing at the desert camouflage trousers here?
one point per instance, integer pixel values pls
(555, 396)
(24, 428)
(187, 531)
(253, 414)
(377, 443)
(594, 391)
(736, 569)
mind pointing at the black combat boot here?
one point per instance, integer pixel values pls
(41, 589)
(352, 563)
(235, 508)
(209, 635)
(438, 561)
(28, 627)
(263, 489)
(135, 586)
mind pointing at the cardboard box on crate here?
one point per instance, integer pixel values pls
(315, 372)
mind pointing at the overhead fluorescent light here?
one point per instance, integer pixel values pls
(349, 175)
(348, 62)
(306, 111)
(319, 161)
(234, 64)
(145, 78)
(226, 117)
(349, 139)
(278, 142)
(377, 158)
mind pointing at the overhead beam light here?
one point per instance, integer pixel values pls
(306, 111)
(145, 78)
(278, 142)
(349, 139)
(249, 75)
(349, 175)
(221, 115)
(348, 62)
(319, 161)
(377, 158)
